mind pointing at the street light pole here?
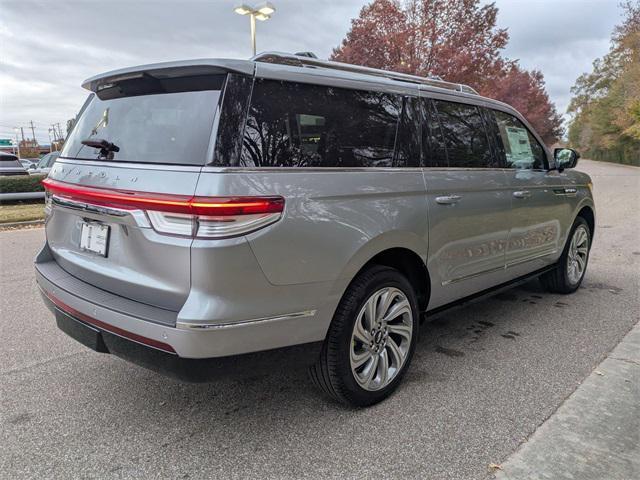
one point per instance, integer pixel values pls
(253, 33)
(260, 12)
(15, 129)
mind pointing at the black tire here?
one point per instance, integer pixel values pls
(332, 372)
(557, 280)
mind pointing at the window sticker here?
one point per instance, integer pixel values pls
(519, 145)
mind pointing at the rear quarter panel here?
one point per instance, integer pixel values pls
(334, 220)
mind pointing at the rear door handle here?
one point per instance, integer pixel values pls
(522, 194)
(448, 199)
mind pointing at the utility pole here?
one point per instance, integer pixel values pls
(22, 133)
(33, 131)
(60, 132)
(55, 134)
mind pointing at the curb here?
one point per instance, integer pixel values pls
(21, 224)
(594, 433)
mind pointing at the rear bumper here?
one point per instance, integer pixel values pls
(187, 369)
(161, 330)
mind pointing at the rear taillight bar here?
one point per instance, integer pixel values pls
(162, 202)
(183, 215)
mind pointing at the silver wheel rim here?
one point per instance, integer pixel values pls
(578, 254)
(381, 338)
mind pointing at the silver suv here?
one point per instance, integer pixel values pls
(212, 216)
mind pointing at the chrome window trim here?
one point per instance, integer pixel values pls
(130, 165)
(343, 169)
(210, 169)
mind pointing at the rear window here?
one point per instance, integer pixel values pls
(9, 162)
(149, 121)
(300, 125)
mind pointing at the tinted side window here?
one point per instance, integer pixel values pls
(519, 147)
(433, 142)
(408, 142)
(464, 135)
(235, 102)
(299, 125)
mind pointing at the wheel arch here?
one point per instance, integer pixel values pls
(411, 266)
(589, 216)
(406, 253)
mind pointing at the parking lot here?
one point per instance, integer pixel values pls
(483, 379)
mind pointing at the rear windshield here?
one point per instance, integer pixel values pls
(137, 124)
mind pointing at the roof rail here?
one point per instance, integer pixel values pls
(282, 58)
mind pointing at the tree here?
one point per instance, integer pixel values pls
(525, 91)
(606, 102)
(454, 39)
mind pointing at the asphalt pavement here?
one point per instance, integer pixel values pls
(484, 378)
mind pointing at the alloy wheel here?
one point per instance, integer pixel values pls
(578, 254)
(381, 338)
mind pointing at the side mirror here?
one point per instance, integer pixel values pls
(565, 158)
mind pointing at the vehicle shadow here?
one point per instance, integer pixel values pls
(265, 398)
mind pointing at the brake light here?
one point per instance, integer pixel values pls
(206, 217)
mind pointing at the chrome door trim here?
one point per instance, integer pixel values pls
(566, 191)
(242, 323)
(533, 257)
(474, 275)
(522, 194)
(448, 199)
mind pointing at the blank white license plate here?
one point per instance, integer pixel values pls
(95, 238)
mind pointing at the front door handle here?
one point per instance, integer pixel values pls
(448, 199)
(522, 194)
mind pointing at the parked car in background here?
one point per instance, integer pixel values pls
(209, 214)
(29, 163)
(10, 165)
(45, 163)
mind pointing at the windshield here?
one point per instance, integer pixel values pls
(44, 161)
(170, 128)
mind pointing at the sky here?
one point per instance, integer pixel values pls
(48, 48)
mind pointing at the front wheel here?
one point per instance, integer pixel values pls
(371, 339)
(568, 275)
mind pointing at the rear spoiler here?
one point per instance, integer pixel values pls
(189, 68)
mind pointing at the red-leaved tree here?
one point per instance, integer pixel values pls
(525, 91)
(454, 39)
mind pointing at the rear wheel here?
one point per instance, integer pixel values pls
(568, 275)
(371, 339)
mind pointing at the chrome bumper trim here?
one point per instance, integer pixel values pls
(243, 323)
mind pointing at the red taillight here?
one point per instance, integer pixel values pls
(190, 205)
(210, 217)
(107, 327)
